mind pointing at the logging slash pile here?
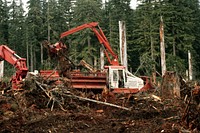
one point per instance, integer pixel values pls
(43, 106)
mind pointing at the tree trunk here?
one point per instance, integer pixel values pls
(42, 61)
(95, 63)
(89, 51)
(31, 58)
(162, 47)
(34, 59)
(190, 65)
(152, 57)
(27, 49)
(101, 58)
(170, 87)
(27, 55)
(1, 69)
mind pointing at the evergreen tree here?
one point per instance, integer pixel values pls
(146, 21)
(4, 22)
(16, 28)
(53, 18)
(117, 11)
(65, 11)
(194, 4)
(4, 33)
(179, 24)
(84, 44)
(34, 23)
(46, 20)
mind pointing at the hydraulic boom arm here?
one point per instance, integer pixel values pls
(19, 63)
(101, 37)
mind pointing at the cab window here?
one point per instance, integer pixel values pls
(115, 75)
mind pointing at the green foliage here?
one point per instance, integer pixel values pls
(24, 32)
(175, 63)
(9, 70)
(146, 63)
(179, 37)
(146, 33)
(179, 25)
(34, 26)
(4, 16)
(86, 11)
(84, 44)
(196, 45)
(16, 28)
(117, 11)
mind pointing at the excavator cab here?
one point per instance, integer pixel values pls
(116, 77)
(122, 81)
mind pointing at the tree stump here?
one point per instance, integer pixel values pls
(170, 87)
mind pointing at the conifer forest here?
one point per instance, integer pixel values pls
(56, 78)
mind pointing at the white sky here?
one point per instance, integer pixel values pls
(133, 3)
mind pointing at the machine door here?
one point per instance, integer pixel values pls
(122, 78)
(114, 78)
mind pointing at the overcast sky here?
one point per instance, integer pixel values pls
(133, 3)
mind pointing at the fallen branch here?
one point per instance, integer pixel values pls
(51, 97)
(155, 108)
(99, 102)
(172, 118)
(186, 111)
(54, 70)
(156, 98)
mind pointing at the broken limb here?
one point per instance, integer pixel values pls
(99, 102)
(54, 70)
(51, 96)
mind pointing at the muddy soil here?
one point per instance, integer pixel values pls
(45, 108)
(29, 114)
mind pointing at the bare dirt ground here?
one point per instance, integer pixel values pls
(33, 110)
